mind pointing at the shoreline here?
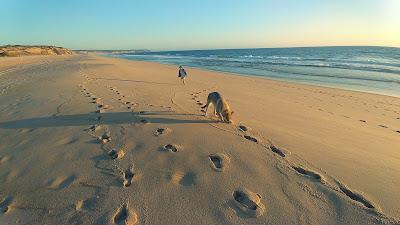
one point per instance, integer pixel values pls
(366, 69)
(259, 77)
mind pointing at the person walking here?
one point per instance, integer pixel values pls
(182, 74)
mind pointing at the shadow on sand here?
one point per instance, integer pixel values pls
(136, 81)
(106, 118)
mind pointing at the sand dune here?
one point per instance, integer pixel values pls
(26, 50)
(93, 140)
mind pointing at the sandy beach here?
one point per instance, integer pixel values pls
(86, 139)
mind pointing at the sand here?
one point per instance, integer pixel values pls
(86, 139)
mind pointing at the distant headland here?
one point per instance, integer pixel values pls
(25, 50)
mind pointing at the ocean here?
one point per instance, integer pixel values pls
(367, 69)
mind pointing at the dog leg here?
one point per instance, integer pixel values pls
(206, 106)
(221, 117)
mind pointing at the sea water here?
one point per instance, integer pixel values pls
(368, 69)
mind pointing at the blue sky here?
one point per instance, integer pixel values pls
(201, 24)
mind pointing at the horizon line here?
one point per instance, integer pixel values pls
(207, 49)
(201, 49)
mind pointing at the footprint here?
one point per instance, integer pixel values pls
(125, 216)
(243, 128)
(128, 176)
(162, 131)
(250, 138)
(144, 121)
(187, 179)
(397, 131)
(219, 161)
(5, 204)
(101, 110)
(170, 148)
(249, 202)
(383, 126)
(94, 127)
(199, 103)
(356, 197)
(308, 173)
(114, 154)
(105, 138)
(364, 121)
(277, 150)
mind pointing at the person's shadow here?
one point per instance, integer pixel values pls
(105, 118)
(135, 81)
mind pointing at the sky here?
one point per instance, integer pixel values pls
(199, 24)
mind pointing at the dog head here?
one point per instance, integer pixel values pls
(228, 115)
